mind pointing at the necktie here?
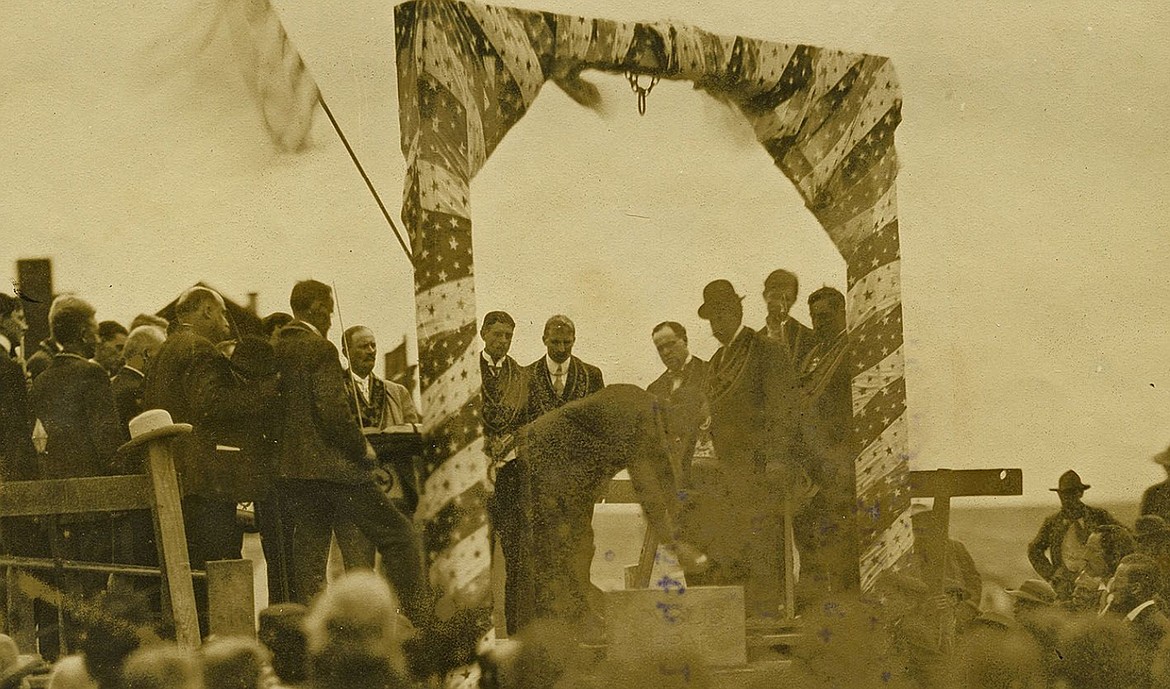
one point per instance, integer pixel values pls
(676, 382)
(559, 381)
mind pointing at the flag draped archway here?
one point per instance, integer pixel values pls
(468, 72)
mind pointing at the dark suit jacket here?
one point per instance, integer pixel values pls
(504, 405)
(320, 436)
(194, 381)
(796, 338)
(751, 393)
(127, 388)
(73, 401)
(1044, 550)
(582, 379)
(1156, 500)
(17, 456)
(40, 359)
(685, 408)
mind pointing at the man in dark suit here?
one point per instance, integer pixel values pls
(796, 338)
(133, 532)
(1057, 553)
(1134, 594)
(503, 409)
(18, 536)
(73, 403)
(193, 380)
(111, 343)
(826, 528)
(751, 395)
(324, 461)
(1156, 498)
(558, 376)
(680, 392)
(17, 457)
(140, 349)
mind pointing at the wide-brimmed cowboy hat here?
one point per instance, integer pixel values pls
(718, 294)
(1070, 481)
(1163, 457)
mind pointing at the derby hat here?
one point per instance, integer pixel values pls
(718, 294)
(1035, 590)
(1070, 482)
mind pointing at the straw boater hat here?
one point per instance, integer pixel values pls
(1035, 590)
(150, 425)
(718, 294)
(1070, 481)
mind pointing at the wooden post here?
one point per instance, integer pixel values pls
(172, 542)
(789, 561)
(231, 598)
(21, 624)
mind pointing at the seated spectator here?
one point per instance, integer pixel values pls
(282, 633)
(233, 663)
(355, 635)
(14, 667)
(1153, 539)
(1099, 653)
(1106, 545)
(163, 667)
(991, 659)
(1033, 594)
(1133, 594)
(70, 673)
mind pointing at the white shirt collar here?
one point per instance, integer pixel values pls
(553, 366)
(1138, 610)
(741, 328)
(5, 343)
(363, 384)
(494, 364)
(310, 326)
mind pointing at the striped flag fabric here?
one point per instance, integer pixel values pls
(468, 72)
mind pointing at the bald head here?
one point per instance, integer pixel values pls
(141, 346)
(205, 311)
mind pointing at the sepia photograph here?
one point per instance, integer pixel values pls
(555, 344)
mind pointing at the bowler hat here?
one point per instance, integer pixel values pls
(1070, 481)
(718, 294)
(1035, 590)
(1163, 457)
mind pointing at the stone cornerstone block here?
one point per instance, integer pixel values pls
(705, 623)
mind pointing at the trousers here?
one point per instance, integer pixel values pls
(314, 506)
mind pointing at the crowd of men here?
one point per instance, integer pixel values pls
(276, 420)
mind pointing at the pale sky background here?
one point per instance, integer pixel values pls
(1035, 172)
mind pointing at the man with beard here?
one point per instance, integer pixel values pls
(751, 394)
(680, 392)
(558, 376)
(505, 397)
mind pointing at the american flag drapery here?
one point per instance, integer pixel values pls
(468, 72)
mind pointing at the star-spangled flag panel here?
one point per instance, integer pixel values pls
(467, 74)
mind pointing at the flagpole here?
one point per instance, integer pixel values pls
(366, 178)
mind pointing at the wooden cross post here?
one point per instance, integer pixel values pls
(157, 490)
(943, 484)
